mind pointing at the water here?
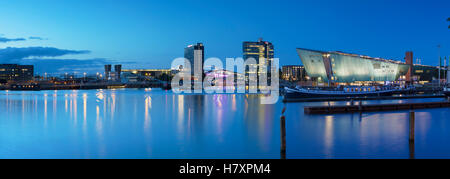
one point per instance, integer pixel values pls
(148, 123)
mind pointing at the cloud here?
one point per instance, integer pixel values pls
(37, 38)
(12, 53)
(4, 40)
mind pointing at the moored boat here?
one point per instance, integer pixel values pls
(447, 90)
(345, 92)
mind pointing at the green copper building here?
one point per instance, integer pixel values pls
(339, 67)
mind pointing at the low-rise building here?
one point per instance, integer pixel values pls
(293, 73)
(16, 73)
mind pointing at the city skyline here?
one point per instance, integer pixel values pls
(148, 34)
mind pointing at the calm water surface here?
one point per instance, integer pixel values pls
(159, 124)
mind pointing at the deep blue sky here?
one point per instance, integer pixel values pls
(151, 33)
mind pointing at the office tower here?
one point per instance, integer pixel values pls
(107, 71)
(195, 54)
(263, 53)
(118, 70)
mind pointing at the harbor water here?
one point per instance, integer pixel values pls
(149, 123)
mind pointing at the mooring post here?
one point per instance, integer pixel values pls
(360, 106)
(283, 134)
(329, 107)
(411, 134)
(411, 125)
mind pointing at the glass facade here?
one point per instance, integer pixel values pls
(262, 52)
(195, 54)
(346, 68)
(259, 50)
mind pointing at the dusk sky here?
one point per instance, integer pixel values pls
(63, 35)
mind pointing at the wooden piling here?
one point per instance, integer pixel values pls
(412, 119)
(283, 134)
(411, 126)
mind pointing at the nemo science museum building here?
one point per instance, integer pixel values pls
(332, 68)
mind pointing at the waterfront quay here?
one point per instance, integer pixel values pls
(398, 97)
(84, 86)
(374, 107)
(160, 124)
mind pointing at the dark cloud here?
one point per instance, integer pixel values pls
(4, 40)
(12, 53)
(37, 38)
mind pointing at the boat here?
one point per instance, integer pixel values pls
(345, 91)
(447, 90)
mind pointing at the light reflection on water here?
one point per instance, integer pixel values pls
(158, 124)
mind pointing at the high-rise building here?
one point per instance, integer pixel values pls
(107, 71)
(261, 51)
(16, 73)
(118, 70)
(293, 73)
(195, 54)
(409, 62)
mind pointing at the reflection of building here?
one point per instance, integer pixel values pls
(195, 54)
(339, 67)
(15, 72)
(293, 73)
